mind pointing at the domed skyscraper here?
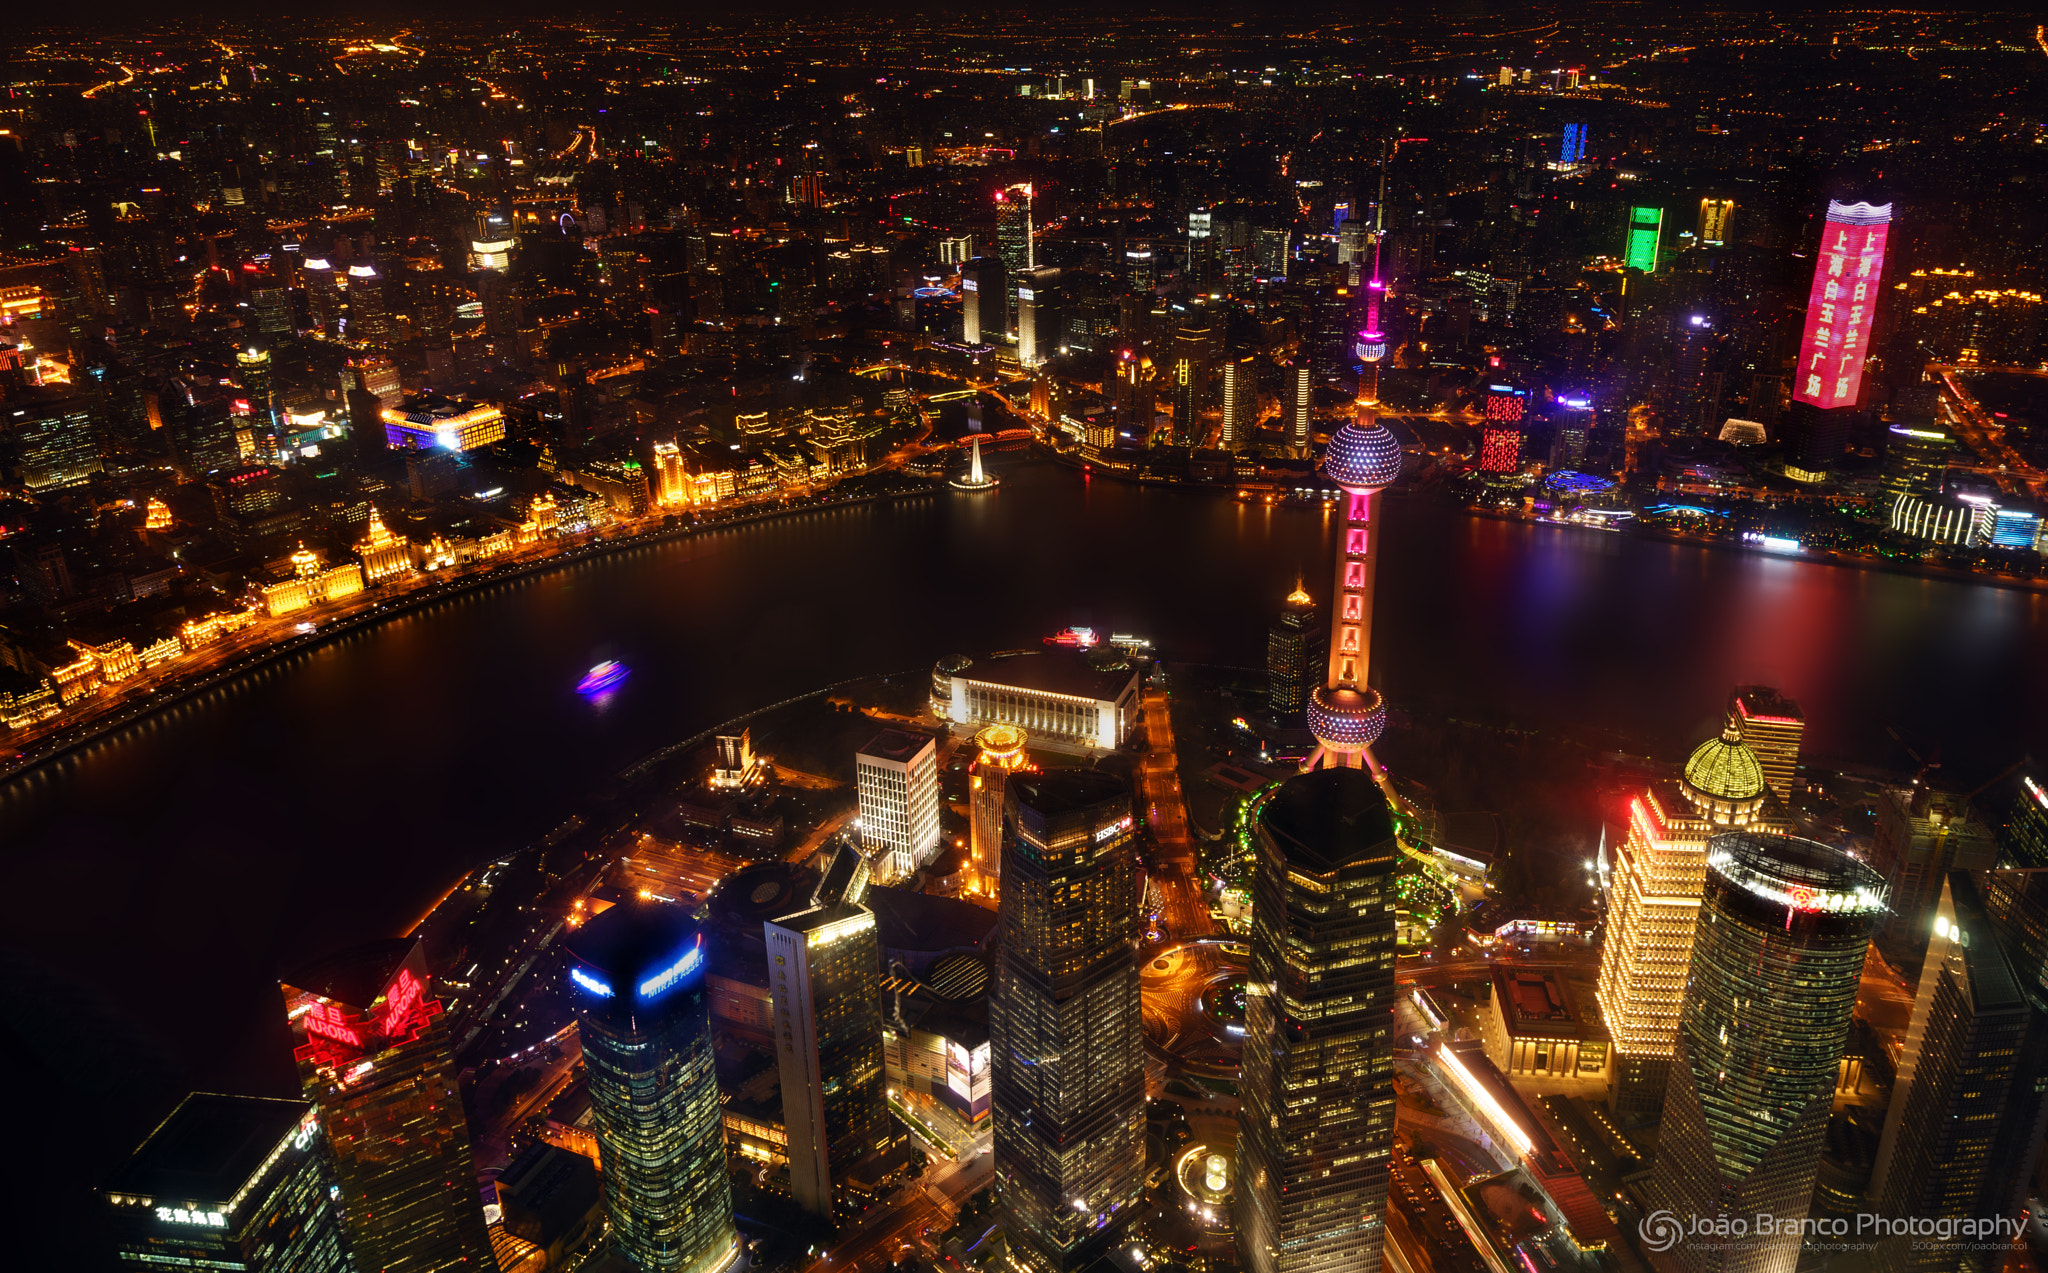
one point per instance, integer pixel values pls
(1653, 903)
(1345, 713)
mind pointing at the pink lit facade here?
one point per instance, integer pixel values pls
(1840, 306)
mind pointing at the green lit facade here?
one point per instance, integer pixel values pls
(1645, 229)
(1316, 1123)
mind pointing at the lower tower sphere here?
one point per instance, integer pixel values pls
(1346, 720)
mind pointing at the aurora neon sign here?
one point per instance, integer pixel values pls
(1841, 304)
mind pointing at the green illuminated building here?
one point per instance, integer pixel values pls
(1645, 228)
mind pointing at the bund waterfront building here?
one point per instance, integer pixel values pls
(228, 1182)
(373, 1055)
(1316, 1126)
(897, 777)
(637, 974)
(1963, 1135)
(824, 975)
(1784, 927)
(1067, 700)
(1653, 904)
(1067, 1076)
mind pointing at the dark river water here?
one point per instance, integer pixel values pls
(157, 883)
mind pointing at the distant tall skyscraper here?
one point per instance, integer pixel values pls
(1038, 316)
(999, 753)
(323, 298)
(897, 779)
(252, 367)
(1016, 244)
(824, 971)
(1692, 395)
(1301, 404)
(1068, 1079)
(228, 1182)
(1240, 401)
(1316, 1126)
(981, 300)
(1827, 383)
(1771, 726)
(368, 320)
(1963, 1135)
(1785, 925)
(1297, 647)
(1645, 228)
(373, 1055)
(1500, 438)
(1653, 904)
(637, 978)
(1717, 217)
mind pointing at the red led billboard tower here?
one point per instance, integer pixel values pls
(1840, 305)
(374, 1057)
(1500, 439)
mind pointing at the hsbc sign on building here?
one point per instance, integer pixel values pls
(1840, 306)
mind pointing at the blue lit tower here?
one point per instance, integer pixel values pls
(1344, 713)
(637, 980)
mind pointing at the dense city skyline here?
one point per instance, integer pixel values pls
(944, 842)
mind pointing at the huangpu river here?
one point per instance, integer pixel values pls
(159, 881)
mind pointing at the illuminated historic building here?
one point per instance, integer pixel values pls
(897, 780)
(373, 1054)
(1653, 902)
(1961, 1138)
(1067, 1048)
(1345, 713)
(429, 422)
(1296, 649)
(824, 973)
(672, 476)
(1771, 725)
(999, 752)
(637, 982)
(384, 554)
(228, 1182)
(1316, 1123)
(311, 584)
(1785, 926)
(1067, 699)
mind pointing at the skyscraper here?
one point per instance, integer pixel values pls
(1316, 1123)
(981, 300)
(1296, 648)
(228, 1182)
(1771, 725)
(1240, 401)
(1345, 713)
(1785, 925)
(1653, 903)
(1963, 1134)
(1067, 1078)
(824, 969)
(1038, 316)
(1827, 382)
(1016, 245)
(1500, 439)
(373, 1055)
(368, 322)
(637, 976)
(323, 299)
(897, 779)
(1717, 216)
(1301, 404)
(999, 752)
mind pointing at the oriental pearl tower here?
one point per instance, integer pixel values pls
(1344, 713)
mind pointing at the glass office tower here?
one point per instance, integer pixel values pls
(638, 977)
(1316, 1126)
(1784, 927)
(228, 1182)
(374, 1056)
(1067, 1071)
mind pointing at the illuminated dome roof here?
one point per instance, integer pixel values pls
(1363, 455)
(1346, 720)
(1725, 770)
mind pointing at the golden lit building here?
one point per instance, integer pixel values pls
(157, 516)
(384, 554)
(1001, 754)
(543, 516)
(432, 423)
(1653, 904)
(1772, 725)
(194, 633)
(311, 584)
(671, 476)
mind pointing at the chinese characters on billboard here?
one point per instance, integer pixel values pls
(1840, 306)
